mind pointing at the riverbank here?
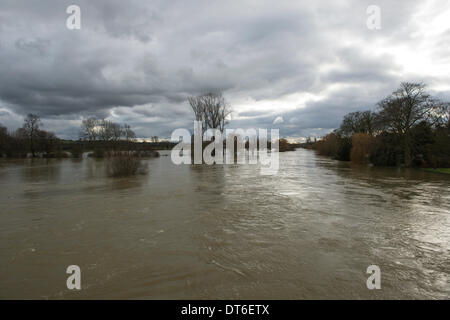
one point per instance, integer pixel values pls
(439, 170)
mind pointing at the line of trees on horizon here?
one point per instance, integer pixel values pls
(107, 137)
(409, 128)
(93, 129)
(97, 135)
(29, 139)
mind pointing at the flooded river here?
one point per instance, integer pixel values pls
(204, 232)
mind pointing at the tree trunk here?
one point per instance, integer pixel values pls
(33, 154)
(407, 150)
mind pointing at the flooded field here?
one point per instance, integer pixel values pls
(211, 232)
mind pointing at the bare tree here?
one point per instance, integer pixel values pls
(4, 137)
(406, 107)
(3, 130)
(47, 141)
(31, 130)
(93, 129)
(155, 139)
(105, 130)
(89, 129)
(358, 122)
(211, 110)
(197, 106)
(127, 133)
(116, 131)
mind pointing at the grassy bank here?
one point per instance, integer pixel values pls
(439, 170)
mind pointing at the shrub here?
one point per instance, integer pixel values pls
(98, 153)
(361, 145)
(147, 154)
(440, 150)
(76, 151)
(335, 146)
(328, 145)
(343, 149)
(284, 145)
(386, 150)
(123, 164)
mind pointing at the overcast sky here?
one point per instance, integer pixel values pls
(294, 65)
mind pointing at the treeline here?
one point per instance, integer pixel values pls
(30, 139)
(93, 129)
(100, 136)
(103, 136)
(409, 128)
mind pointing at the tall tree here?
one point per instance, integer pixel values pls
(358, 122)
(31, 130)
(89, 129)
(211, 110)
(128, 134)
(199, 109)
(406, 107)
(116, 131)
(4, 137)
(105, 130)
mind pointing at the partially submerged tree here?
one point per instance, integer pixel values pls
(47, 142)
(211, 110)
(31, 130)
(123, 164)
(102, 135)
(4, 140)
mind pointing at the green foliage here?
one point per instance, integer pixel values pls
(386, 150)
(440, 149)
(411, 128)
(440, 170)
(343, 149)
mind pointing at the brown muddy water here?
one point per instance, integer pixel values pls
(211, 232)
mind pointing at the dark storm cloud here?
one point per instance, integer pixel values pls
(138, 61)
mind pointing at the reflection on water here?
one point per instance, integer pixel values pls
(223, 231)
